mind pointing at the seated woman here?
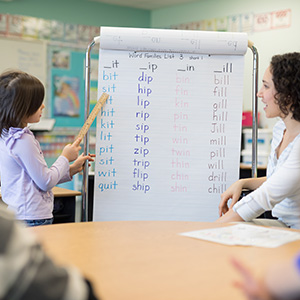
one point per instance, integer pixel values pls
(279, 191)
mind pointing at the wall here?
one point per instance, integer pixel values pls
(268, 43)
(83, 12)
(79, 12)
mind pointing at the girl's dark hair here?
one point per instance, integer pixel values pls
(286, 77)
(21, 95)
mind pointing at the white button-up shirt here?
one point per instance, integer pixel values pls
(281, 191)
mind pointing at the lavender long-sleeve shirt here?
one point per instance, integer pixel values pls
(26, 180)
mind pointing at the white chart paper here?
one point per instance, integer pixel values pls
(168, 138)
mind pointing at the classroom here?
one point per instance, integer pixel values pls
(173, 136)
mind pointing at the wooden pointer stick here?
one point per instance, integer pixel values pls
(87, 124)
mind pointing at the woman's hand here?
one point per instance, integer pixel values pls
(71, 151)
(78, 164)
(233, 192)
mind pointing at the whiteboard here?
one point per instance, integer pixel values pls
(168, 138)
(28, 56)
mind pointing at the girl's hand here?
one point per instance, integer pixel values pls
(233, 192)
(253, 289)
(71, 151)
(78, 164)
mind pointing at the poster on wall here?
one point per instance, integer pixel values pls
(29, 27)
(3, 24)
(84, 34)
(66, 100)
(15, 25)
(57, 31)
(67, 82)
(281, 19)
(60, 59)
(70, 33)
(44, 29)
(262, 22)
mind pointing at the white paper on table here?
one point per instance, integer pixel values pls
(246, 235)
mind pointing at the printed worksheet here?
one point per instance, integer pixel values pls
(246, 235)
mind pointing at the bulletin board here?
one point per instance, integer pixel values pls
(168, 140)
(67, 82)
(28, 56)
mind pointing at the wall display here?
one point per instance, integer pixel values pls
(28, 56)
(67, 86)
(42, 29)
(244, 22)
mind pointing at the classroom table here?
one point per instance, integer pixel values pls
(149, 260)
(64, 204)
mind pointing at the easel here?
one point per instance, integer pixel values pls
(96, 40)
(85, 178)
(254, 108)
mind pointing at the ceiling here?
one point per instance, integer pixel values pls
(145, 4)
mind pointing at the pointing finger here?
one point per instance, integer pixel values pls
(77, 142)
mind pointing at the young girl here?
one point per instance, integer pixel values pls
(26, 180)
(280, 190)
